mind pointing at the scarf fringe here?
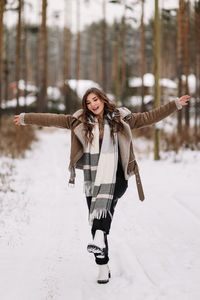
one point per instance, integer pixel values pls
(97, 214)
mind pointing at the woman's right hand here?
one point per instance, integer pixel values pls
(17, 120)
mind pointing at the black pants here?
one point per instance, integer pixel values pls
(104, 224)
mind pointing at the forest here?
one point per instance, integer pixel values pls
(140, 64)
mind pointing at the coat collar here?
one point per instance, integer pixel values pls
(77, 113)
(79, 130)
(123, 112)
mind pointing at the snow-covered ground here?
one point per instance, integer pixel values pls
(154, 245)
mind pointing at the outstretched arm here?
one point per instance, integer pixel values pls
(44, 119)
(138, 120)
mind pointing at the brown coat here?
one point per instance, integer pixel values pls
(129, 120)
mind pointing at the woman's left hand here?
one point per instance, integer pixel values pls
(184, 100)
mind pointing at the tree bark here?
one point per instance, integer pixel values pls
(180, 60)
(18, 54)
(116, 65)
(78, 45)
(24, 62)
(124, 51)
(104, 46)
(2, 6)
(142, 56)
(7, 68)
(43, 62)
(197, 63)
(186, 59)
(156, 76)
(67, 55)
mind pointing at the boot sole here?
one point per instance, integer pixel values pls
(95, 249)
(104, 281)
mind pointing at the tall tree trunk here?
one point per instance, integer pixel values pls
(2, 6)
(156, 75)
(78, 45)
(124, 50)
(24, 63)
(67, 55)
(186, 59)
(18, 53)
(142, 55)
(116, 65)
(104, 46)
(93, 66)
(7, 69)
(197, 63)
(180, 59)
(43, 62)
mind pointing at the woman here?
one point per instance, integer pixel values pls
(101, 145)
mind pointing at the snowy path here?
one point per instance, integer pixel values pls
(154, 245)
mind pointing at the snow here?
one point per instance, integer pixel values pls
(149, 81)
(53, 93)
(154, 245)
(137, 81)
(82, 85)
(137, 100)
(164, 82)
(22, 101)
(191, 82)
(168, 83)
(28, 86)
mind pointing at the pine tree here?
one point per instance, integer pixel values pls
(156, 75)
(67, 54)
(2, 6)
(18, 53)
(180, 61)
(43, 62)
(142, 55)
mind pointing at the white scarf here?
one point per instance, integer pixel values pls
(100, 171)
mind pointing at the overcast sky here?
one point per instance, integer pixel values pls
(91, 11)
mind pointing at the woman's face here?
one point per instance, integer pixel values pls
(95, 104)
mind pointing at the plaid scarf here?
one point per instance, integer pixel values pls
(100, 171)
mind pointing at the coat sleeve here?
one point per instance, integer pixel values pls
(49, 120)
(139, 120)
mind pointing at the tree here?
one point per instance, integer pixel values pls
(43, 63)
(156, 75)
(186, 59)
(180, 61)
(24, 57)
(116, 64)
(18, 53)
(142, 55)
(78, 41)
(67, 54)
(2, 7)
(6, 64)
(197, 63)
(104, 48)
(124, 50)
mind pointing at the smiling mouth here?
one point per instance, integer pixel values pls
(94, 109)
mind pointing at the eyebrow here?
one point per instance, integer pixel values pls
(92, 98)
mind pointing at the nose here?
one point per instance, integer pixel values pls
(93, 105)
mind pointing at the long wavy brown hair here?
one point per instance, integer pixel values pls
(111, 113)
